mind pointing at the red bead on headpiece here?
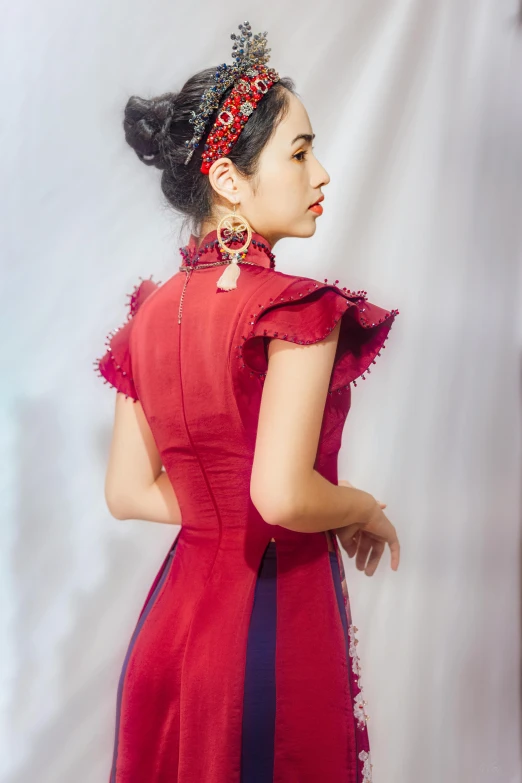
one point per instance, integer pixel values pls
(236, 111)
(250, 79)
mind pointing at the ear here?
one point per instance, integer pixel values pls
(224, 179)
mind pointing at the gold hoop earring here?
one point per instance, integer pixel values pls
(234, 227)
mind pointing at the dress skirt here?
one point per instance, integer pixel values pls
(259, 701)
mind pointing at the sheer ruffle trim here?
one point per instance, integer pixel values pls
(115, 365)
(305, 313)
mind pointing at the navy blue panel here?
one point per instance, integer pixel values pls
(259, 703)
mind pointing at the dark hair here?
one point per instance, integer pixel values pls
(157, 128)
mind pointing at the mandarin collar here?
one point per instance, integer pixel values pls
(259, 251)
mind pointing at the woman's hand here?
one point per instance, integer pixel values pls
(370, 540)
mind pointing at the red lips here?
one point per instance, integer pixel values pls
(316, 206)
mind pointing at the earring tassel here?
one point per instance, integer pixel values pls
(228, 279)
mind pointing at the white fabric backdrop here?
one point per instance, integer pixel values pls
(418, 113)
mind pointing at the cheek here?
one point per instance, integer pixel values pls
(286, 188)
(284, 203)
(281, 192)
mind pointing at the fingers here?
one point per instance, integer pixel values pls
(351, 547)
(363, 550)
(375, 557)
(370, 551)
(351, 530)
(349, 538)
(395, 552)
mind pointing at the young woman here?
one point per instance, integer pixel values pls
(234, 383)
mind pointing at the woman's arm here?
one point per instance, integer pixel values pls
(136, 486)
(157, 503)
(285, 487)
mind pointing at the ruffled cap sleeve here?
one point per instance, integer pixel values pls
(115, 366)
(305, 312)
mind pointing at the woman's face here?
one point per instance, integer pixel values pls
(289, 181)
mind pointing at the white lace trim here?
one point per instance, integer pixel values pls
(359, 701)
(359, 709)
(366, 759)
(356, 664)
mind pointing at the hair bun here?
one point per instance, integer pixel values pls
(146, 123)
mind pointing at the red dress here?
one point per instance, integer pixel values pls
(179, 702)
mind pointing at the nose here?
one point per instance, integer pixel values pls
(326, 179)
(321, 177)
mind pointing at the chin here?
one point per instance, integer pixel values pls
(311, 229)
(308, 229)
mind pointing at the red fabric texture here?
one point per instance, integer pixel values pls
(200, 382)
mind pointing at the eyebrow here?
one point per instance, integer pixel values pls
(305, 136)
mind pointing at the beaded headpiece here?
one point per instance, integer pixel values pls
(251, 79)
